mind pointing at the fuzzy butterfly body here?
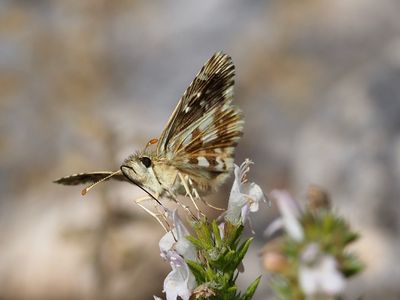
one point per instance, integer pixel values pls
(195, 152)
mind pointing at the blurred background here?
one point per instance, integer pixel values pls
(85, 83)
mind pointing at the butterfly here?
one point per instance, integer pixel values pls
(194, 154)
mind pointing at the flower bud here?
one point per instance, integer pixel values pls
(317, 199)
(273, 259)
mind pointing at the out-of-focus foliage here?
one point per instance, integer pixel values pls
(312, 260)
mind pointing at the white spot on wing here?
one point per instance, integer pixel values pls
(229, 150)
(226, 106)
(206, 123)
(209, 137)
(228, 93)
(220, 164)
(202, 161)
(229, 163)
(187, 140)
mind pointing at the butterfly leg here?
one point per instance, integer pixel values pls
(184, 182)
(197, 196)
(174, 198)
(151, 213)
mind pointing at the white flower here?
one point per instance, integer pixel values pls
(180, 281)
(318, 273)
(244, 197)
(181, 245)
(289, 213)
(175, 248)
(221, 228)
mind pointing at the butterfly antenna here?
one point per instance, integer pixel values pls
(151, 142)
(87, 189)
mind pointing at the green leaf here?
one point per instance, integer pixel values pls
(210, 274)
(217, 234)
(203, 233)
(231, 290)
(244, 246)
(225, 264)
(232, 233)
(198, 271)
(351, 266)
(238, 232)
(251, 289)
(197, 243)
(241, 252)
(351, 237)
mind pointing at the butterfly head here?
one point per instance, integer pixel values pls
(139, 170)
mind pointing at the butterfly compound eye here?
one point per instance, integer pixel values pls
(146, 161)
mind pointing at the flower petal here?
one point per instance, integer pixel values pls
(272, 228)
(183, 246)
(289, 211)
(181, 230)
(221, 228)
(166, 243)
(245, 212)
(257, 195)
(332, 281)
(175, 240)
(244, 197)
(236, 199)
(308, 280)
(180, 281)
(318, 273)
(186, 249)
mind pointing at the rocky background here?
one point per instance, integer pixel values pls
(85, 83)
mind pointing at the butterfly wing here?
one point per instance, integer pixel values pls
(203, 131)
(83, 178)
